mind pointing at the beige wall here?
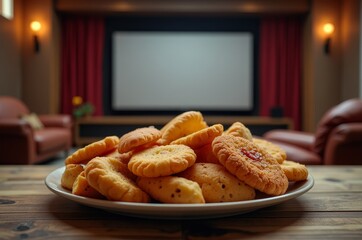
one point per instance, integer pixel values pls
(40, 74)
(324, 80)
(351, 21)
(10, 53)
(330, 78)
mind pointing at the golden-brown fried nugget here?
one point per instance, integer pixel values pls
(277, 152)
(218, 184)
(123, 157)
(172, 189)
(294, 171)
(204, 154)
(138, 138)
(182, 125)
(82, 188)
(95, 149)
(69, 175)
(162, 160)
(110, 177)
(238, 129)
(200, 138)
(251, 164)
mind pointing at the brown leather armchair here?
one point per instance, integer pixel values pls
(337, 140)
(21, 144)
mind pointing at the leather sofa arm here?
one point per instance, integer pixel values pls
(15, 127)
(344, 145)
(303, 140)
(17, 145)
(58, 120)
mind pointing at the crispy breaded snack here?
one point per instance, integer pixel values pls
(123, 157)
(110, 177)
(162, 160)
(277, 152)
(69, 175)
(95, 149)
(138, 137)
(182, 125)
(114, 154)
(204, 154)
(238, 129)
(172, 189)
(201, 137)
(82, 188)
(294, 171)
(251, 164)
(217, 184)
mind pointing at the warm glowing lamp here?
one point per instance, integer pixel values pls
(35, 27)
(328, 29)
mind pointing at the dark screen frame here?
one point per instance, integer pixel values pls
(172, 24)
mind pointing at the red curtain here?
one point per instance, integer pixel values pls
(280, 67)
(82, 62)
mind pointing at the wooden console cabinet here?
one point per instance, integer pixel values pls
(90, 129)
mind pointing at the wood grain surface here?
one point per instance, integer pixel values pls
(332, 209)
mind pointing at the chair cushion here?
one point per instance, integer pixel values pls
(344, 145)
(345, 112)
(300, 139)
(33, 120)
(11, 107)
(49, 139)
(298, 154)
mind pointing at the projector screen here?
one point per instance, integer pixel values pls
(161, 71)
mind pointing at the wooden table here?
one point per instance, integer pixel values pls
(332, 209)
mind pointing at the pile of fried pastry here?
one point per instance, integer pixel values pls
(186, 161)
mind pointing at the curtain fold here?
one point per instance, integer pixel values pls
(280, 67)
(82, 62)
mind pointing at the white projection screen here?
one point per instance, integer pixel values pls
(157, 71)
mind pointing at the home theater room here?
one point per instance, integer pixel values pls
(180, 119)
(114, 66)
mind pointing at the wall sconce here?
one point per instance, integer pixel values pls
(35, 27)
(328, 29)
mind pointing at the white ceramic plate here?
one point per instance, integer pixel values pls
(178, 211)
